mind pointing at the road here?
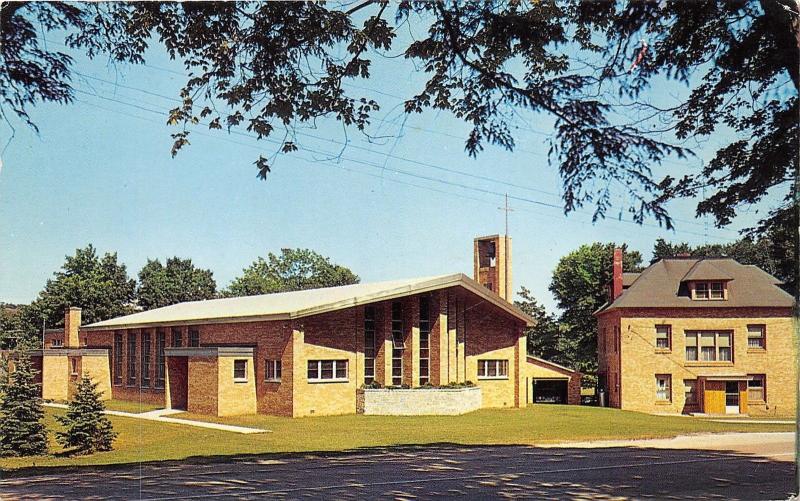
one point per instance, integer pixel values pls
(652, 470)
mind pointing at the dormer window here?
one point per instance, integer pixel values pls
(705, 291)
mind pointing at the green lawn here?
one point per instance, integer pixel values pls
(141, 440)
(128, 406)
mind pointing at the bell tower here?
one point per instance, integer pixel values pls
(492, 264)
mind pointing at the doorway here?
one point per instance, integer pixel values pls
(732, 397)
(550, 391)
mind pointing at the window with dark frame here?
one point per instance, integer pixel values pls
(756, 337)
(118, 341)
(424, 340)
(240, 371)
(398, 345)
(709, 346)
(272, 371)
(369, 344)
(690, 389)
(663, 387)
(492, 369)
(327, 370)
(757, 388)
(194, 338)
(177, 337)
(706, 291)
(146, 345)
(161, 344)
(701, 290)
(664, 337)
(717, 290)
(131, 359)
(73, 362)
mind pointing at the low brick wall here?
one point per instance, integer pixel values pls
(419, 402)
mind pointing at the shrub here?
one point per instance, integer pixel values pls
(87, 427)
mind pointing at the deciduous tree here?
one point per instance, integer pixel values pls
(178, 281)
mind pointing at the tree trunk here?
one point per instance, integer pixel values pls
(784, 15)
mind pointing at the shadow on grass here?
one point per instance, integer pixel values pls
(426, 471)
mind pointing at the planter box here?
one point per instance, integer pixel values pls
(419, 402)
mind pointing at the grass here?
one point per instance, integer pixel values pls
(129, 406)
(141, 440)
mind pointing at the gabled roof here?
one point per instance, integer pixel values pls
(663, 285)
(704, 269)
(297, 304)
(628, 278)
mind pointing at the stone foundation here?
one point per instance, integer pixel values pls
(419, 402)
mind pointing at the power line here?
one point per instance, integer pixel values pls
(369, 150)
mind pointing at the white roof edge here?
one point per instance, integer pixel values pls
(435, 283)
(552, 363)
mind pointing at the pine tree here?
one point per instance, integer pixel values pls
(87, 427)
(22, 432)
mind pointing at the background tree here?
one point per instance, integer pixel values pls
(579, 285)
(87, 427)
(599, 70)
(545, 339)
(178, 281)
(293, 269)
(10, 326)
(22, 432)
(98, 285)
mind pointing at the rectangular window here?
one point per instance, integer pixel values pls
(492, 369)
(756, 388)
(73, 366)
(240, 371)
(690, 388)
(161, 343)
(724, 348)
(663, 387)
(57, 343)
(756, 337)
(664, 337)
(398, 346)
(118, 358)
(424, 340)
(327, 370)
(272, 373)
(369, 344)
(145, 359)
(717, 290)
(691, 346)
(194, 338)
(177, 337)
(131, 359)
(701, 290)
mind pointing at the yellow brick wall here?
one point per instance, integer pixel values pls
(641, 362)
(496, 392)
(97, 367)
(55, 377)
(235, 398)
(325, 398)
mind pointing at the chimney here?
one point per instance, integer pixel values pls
(616, 284)
(72, 322)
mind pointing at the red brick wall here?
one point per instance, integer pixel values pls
(202, 385)
(179, 383)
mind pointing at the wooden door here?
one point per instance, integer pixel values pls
(714, 397)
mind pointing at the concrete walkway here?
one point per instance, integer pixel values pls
(160, 415)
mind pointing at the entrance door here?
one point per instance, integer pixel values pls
(731, 397)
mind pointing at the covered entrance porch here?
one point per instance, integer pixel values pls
(723, 394)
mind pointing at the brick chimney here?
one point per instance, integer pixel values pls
(72, 322)
(616, 283)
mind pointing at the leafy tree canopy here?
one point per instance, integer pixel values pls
(600, 70)
(98, 285)
(545, 339)
(293, 269)
(579, 285)
(178, 281)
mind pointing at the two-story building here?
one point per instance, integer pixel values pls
(697, 335)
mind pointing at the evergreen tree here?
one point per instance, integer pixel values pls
(22, 432)
(87, 427)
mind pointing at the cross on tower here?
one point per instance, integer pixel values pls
(506, 209)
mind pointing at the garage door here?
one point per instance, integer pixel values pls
(550, 391)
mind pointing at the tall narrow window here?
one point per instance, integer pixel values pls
(177, 337)
(424, 340)
(691, 346)
(369, 344)
(161, 342)
(663, 337)
(118, 358)
(398, 345)
(146, 359)
(131, 359)
(756, 337)
(663, 387)
(717, 290)
(194, 338)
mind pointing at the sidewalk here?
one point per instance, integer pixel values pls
(778, 446)
(160, 415)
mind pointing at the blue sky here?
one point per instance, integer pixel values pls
(100, 172)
